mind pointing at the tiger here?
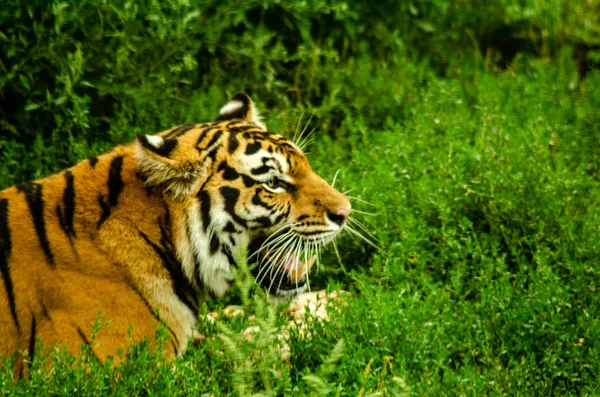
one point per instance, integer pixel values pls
(143, 234)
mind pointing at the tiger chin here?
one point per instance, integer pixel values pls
(144, 233)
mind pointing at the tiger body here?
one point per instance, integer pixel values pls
(144, 233)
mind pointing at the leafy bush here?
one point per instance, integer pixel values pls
(81, 76)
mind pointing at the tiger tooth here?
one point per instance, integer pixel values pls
(297, 272)
(303, 268)
(308, 264)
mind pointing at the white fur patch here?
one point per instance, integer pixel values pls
(155, 141)
(231, 107)
(161, 294)
(282, 163)
(214, 269)
(184, 251)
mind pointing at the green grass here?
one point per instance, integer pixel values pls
(487, 214)
(482, 173)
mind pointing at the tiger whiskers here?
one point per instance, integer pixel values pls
(287, 254)
(281, 268)
(279, 261)
(358, 199)
(270, 241)
(271, 262)
(274, 237)
(268, 261)
(298, 128)
(356, 233)
(365, 213)
(337, 254)
(306, 257)
(302, 141)
(335, 178)
(361, 226)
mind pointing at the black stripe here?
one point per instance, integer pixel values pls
(233, 142)
(282, 216)
(178, 131)
(302, 217)
(230, 174)
(287, 146)
(186, 286)
(212, 154)
(214, 244)
(264, 221)
(214, 139)
(231, 196)
(225, 251)
(248, 181)
(93, 160)
(198, 277)
(257, 201)
(204, 184)
(115, 182)
(5, 249)
(181, 285)
(67, 212)
(32, 337)
(115, 187)
(230, 228)
(312, 233)
(212, 295)
(202, 135)
(205, 208)
(261, 170)
(87, 342)
(252, 148)
(82, 335)
(34, 197)
(243, 127)
(45, 311)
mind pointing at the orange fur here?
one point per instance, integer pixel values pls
(124, 234)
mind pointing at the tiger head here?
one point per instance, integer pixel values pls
(240, 190)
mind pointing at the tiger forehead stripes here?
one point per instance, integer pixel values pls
(145, 232)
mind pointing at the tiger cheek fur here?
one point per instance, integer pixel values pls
(145, 232)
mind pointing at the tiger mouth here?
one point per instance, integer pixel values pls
(279, 266)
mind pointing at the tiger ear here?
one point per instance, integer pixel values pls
(158, 167)
(157, 145)
(241, 107)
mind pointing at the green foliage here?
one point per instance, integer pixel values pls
(473, 129)
(78, 77)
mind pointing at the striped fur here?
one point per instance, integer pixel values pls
(145, 232)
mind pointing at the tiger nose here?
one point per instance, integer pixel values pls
(340, 216)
